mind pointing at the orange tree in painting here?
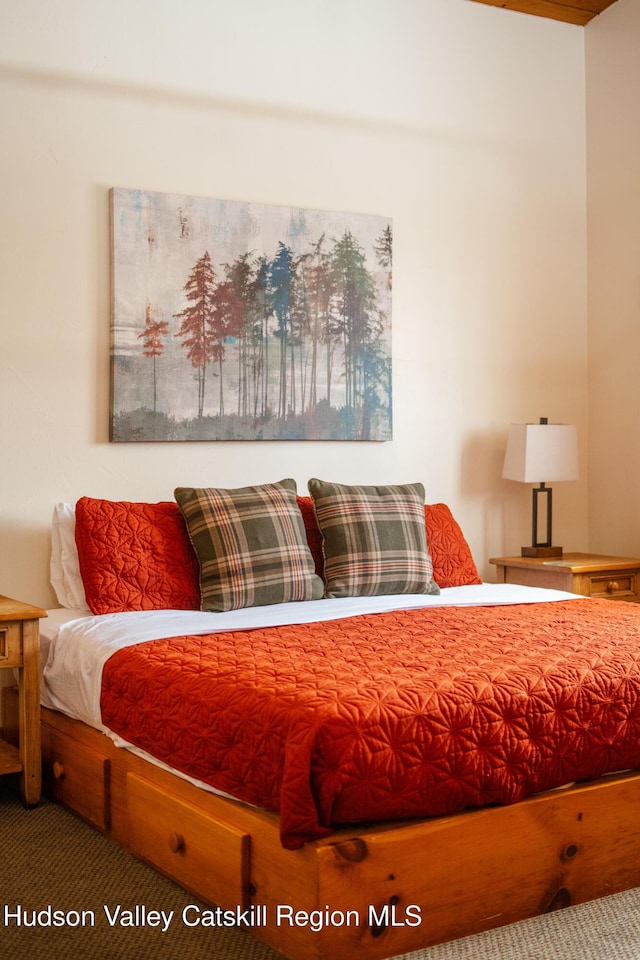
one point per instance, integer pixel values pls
(153, 346)
(197, 328)
(227, 325)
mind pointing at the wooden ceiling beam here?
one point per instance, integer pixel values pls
(579, 12)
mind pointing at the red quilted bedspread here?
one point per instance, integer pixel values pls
(389, 716)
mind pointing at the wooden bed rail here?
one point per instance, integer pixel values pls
(375, 891)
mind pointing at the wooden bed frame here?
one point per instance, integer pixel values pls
(379, 890)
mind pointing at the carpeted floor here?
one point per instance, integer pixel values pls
(52, 861)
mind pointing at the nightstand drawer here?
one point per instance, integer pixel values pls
(614, 585)
(10, 644)
(588, 574)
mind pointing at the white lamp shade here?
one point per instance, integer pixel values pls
(541, 453)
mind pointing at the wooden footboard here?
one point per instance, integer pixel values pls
(375, 891)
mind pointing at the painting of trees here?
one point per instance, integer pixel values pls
(286, 311)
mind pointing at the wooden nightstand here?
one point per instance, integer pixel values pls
(589, 574)
(20, 651)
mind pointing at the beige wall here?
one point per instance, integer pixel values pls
(613, 152)
(462, 122)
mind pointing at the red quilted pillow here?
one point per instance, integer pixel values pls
(135, 556)
(453, 565)
(312, 530)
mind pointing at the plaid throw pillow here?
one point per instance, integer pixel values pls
(374, 539)
(250, 544)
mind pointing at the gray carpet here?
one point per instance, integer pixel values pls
(50, 859)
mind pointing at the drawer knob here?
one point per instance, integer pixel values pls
(176, 843)
(613, 586)
(58, 770)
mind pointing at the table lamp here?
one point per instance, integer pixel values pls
(540, 453)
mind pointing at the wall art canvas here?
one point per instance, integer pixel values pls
(247, 321)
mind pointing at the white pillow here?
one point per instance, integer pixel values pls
(65, 568)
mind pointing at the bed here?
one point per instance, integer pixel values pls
(353, 743)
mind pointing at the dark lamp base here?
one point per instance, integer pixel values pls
(541, 552)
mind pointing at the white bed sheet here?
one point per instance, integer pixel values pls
(75, 646)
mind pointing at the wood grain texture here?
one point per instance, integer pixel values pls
(410, 885)
(578, 12)
(20, 650)
(587, 574)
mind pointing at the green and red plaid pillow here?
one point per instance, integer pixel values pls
(251, 545)
(374, 539)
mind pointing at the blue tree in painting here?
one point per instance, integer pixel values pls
(281, 282)
(355, 320)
